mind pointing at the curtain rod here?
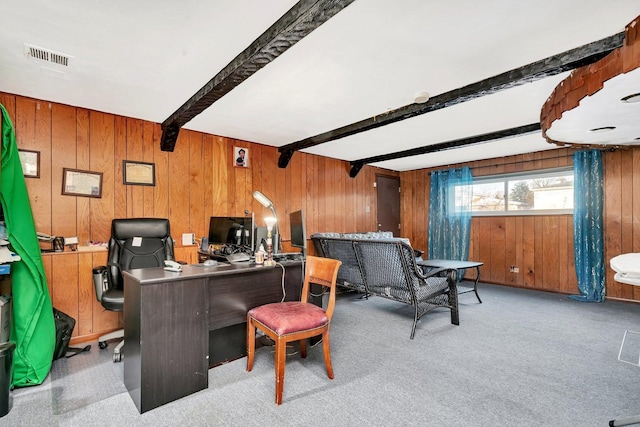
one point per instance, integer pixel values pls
(504, 164)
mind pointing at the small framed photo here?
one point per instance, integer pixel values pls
(138, 173)
(241, 157)
(30, 161)
(77, 182)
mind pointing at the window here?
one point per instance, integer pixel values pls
(546, 192)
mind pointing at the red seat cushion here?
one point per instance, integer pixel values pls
(288, 317)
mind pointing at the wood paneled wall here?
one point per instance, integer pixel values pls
(198, 180)
(622, 214)
(195, 181)
(540, 246)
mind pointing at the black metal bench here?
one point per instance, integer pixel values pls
(387, 268)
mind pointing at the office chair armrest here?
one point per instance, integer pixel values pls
(100, 280)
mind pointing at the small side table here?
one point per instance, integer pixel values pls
(447, 263)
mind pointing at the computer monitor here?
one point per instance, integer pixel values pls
(298, 231)
(260, 237)
(230, 230)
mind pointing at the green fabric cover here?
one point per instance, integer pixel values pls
(32, 326)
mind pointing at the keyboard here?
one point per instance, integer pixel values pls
(238, 257)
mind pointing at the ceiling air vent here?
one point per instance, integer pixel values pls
(46, 55)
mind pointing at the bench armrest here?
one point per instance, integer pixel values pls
(437, 272)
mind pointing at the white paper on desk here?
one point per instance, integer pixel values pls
(7, 256)
(137, 241)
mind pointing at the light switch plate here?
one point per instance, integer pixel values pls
(188, 239)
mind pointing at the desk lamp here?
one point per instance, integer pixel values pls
(270, 221)
(267, 203)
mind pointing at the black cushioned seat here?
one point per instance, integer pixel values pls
(134, 243)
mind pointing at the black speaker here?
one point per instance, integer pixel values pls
(204, 244)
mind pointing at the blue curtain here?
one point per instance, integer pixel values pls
(450, 214)
(587, 225)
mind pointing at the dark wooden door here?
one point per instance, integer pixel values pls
(388, 193)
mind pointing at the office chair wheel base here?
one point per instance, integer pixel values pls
(117, 357)
(103, 344)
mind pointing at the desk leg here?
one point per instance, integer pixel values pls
(475, 285)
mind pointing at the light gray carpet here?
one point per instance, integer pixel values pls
(85, 378)
(522, 358)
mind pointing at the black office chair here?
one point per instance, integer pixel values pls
(134, 243)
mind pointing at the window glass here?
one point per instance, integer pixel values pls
(544, 192)
(489, 196)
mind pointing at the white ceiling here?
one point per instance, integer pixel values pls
(145, 58)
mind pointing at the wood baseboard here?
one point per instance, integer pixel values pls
(89, 337)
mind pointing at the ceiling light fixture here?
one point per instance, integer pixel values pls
(631, 98)
(421, 97)
(602, 129)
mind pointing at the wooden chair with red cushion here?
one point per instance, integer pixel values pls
(289, 321)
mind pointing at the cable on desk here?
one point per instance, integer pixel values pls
(303, 274)
(321, 294)
(284, 291)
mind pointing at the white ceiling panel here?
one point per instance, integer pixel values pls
(144, 59)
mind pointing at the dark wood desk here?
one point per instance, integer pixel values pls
(447, 263)
(178, 325)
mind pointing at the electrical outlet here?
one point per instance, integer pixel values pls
(514, 269)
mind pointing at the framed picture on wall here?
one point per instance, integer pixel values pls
(30, 161)
(138, 173)
(241, 157)
(77, 182)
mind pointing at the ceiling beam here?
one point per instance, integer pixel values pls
(547, 67)
(304, 17)
(356, 165)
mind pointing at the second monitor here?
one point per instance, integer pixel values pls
(226, 230)
(298, 231)
(261, 234)
(298, 234)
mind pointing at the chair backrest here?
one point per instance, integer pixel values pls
(138, 243)
(350, 274)
(324, 272)
(388, 268)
